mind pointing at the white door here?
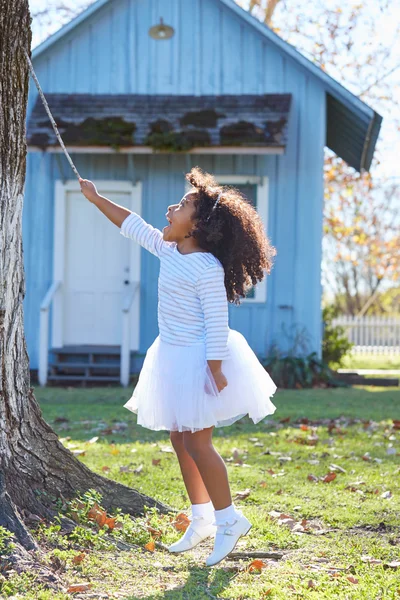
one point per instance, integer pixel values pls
(100, 265)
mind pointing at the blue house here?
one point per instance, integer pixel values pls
(139, 101)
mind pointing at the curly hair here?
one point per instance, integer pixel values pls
(232, 231)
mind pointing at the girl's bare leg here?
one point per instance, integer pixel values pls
(194, 484)
(210, 465)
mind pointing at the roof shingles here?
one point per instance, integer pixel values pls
(181, 121)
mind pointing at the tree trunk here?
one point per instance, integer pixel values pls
(35, 468)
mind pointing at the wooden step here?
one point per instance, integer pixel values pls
(82, 378)
(85, 365)
(85, 349)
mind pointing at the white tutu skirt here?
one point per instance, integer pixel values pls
(177, 392)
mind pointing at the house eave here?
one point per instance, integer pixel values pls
(149, 150)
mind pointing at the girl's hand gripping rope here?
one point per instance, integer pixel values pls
(88, 189)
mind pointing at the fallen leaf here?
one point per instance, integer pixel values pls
(167, 449)
(150, 546)
(311, 584)
(154, 532)
(370, 560)
(138, 470)
(93, 440)
(263, 484)
(256, 565)
(98, 515)
(110, 522)
(105, 468)
(395, 564)
(334, 467)
(78, 558)
(387, 494)
(352, 579)
(329, 477)
(312, 477)
(114, 450)
(243, 494)
(304, 427)
(156, 461)
(78, 587)
(181, 522)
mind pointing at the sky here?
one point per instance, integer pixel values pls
(386, 20)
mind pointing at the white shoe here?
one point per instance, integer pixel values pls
(199, 529)
(226, 538)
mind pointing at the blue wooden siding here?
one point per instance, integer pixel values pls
(213, 52)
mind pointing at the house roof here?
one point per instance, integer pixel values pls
(352, 126)
(164, 122)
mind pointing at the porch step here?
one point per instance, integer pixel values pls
(86, 363)
(78, 378)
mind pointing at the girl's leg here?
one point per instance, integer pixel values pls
(210, 465)
(194, 483)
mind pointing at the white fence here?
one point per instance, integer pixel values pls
(376, 335)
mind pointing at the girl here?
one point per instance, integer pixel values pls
(199, 373)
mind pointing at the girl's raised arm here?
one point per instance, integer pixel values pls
(144, 234)
(131, 224)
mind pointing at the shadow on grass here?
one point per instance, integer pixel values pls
(196, 587)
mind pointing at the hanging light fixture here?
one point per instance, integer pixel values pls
(161, 31)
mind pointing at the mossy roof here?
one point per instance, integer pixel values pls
(129, 119)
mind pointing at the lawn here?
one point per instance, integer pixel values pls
(371, 361)
(338, 538)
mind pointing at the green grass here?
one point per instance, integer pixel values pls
(356, 521)
(368, 361)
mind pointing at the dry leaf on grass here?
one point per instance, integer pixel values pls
(97, 514)
(352, 579)
(181, 522)
(156, 461)
(74, 588)
(150, 546)
(256, 565)
(395, 564)
(243, 494)
(329, 477)
(370, 560)
(78, 558)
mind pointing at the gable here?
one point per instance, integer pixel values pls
(218, 48)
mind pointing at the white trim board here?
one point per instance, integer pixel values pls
(260, 150)
(262, 183)
(104, 186)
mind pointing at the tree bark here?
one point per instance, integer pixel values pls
(35, 468)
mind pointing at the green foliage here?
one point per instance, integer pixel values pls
(170, 141)
(5, 540)
(297, 372)
(335, 344)
(177, 141)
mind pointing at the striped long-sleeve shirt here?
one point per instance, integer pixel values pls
(192, 300)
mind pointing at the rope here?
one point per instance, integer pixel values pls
(75, 170)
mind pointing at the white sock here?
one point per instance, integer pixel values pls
(206, 509)
(230, 513)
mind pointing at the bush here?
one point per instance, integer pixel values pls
(335, 344)
(298, 372)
